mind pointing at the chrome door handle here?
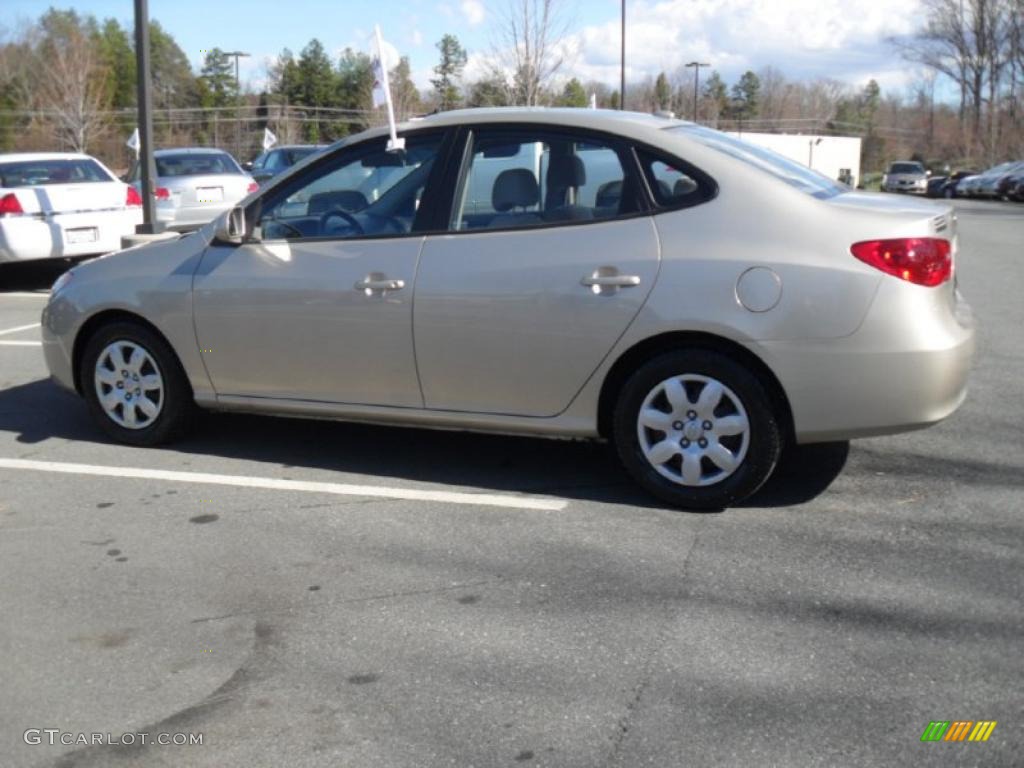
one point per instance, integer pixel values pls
(378, 283)
(610, 281)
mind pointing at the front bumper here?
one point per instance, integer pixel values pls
(905, 368)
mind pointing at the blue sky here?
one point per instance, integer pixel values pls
(841, 39)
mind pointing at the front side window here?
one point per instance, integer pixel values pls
(528, 179)
(361, 191)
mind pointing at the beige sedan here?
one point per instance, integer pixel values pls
(696, 300)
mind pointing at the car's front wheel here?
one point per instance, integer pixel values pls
(697, 429)
(135, 387)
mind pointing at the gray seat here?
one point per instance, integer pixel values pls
(566, 174)
(515, 188)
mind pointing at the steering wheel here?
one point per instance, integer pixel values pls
(341, 214)
(293, 231)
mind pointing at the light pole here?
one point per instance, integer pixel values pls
(238, 100)
(696, 83)
(622, 64)
(145, 117)
(811, 144)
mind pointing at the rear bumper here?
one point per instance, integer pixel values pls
(26, 238)
(906, 368)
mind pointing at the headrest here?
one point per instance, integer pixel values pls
(566, 171)
(684, 186)
(609, 194)
(515, 188)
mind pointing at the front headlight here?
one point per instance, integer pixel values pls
(61, 283)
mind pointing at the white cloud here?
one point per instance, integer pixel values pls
(416, 38)
(473, 11)
(843, 39)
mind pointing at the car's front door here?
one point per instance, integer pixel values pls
(547, 260)
(319, 305)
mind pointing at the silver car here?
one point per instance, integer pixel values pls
(195, 185)
(696, 300)
(905, 176)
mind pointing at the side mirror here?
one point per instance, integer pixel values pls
(231, 227)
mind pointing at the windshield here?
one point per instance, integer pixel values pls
(906, 168)
(38, 172)
(782, 168)
(198, 164)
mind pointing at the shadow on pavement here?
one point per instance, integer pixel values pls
(582, 470)
(33, 275)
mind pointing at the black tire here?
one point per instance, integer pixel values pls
(177, 407)
(764, 435)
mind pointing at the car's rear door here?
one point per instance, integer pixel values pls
(518, 302)
(320, 307)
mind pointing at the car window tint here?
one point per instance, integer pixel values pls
(276, 161)
(195, 164)
(366, 191)
(58, 171)
(525, 180)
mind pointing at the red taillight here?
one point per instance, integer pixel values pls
(131, 198)
(919, 260)
(253, 186)
(162, 193)
(9, 205)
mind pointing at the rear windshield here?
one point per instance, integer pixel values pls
(782, 168)
(906, 168)
(31, 173)
(195, 164)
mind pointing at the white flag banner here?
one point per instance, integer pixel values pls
(133, 142)
(380, 96)
(593, 101)
(269, 139)
(382, 93)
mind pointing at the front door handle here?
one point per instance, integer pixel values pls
(375, 282)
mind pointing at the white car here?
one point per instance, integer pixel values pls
(194, 185)
(61, 204)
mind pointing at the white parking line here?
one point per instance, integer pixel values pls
(337, 489)
(25, 295)
(19, 328)
(21, 343)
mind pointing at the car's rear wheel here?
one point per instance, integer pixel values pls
(135, 387)
(697, 429)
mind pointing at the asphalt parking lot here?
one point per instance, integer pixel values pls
(312, 594)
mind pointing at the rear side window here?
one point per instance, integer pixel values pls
(673, 183)
(199, 164)
(42, 172)
(531, 178)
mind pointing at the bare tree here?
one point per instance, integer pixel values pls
(70, 87)
(529, 34)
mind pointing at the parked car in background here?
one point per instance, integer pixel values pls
(562, 272)
(993, 184)
(1015, 188)
(195, 185)
(947, 186)
(279, 159)
(973, 186)
(905, 176)
(62, 204)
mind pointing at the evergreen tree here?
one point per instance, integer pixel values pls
(662, 92)
(118, 58)
(492, 91)
(218, 74)
(573, 95)
(448, 71)
(745, 97)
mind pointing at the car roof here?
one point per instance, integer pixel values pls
(631, 124)
(31, 156)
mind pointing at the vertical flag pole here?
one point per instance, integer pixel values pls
(395, 144)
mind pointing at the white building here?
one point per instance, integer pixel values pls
(830, 155)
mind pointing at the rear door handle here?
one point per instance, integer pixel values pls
(375, 283)
(610, 281)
